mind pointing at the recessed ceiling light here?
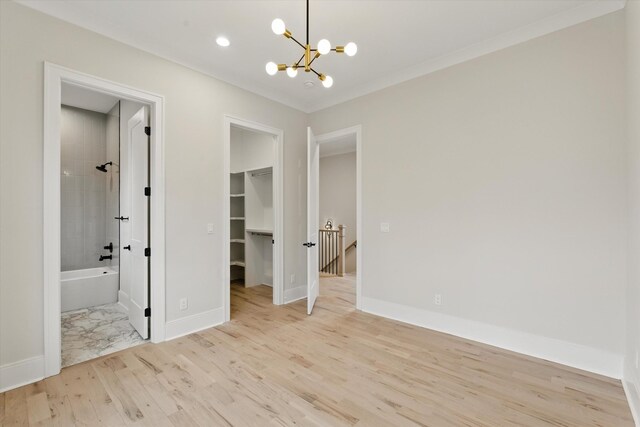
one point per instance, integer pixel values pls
(223, 41)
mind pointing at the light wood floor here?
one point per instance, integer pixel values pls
(274, 366)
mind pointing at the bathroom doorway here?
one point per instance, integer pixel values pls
(103, 156)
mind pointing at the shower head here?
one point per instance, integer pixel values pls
(103, 168)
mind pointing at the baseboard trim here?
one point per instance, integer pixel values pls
(554, 350)
(194, 323)
(295, 294)
(23, 372)
(123, 300)
(631, 384)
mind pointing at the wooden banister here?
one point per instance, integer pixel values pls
(332, 251)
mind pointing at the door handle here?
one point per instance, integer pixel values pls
(128, 247)
(122, 218)
(309, 244)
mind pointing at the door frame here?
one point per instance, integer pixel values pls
(325, 137)
(54, 77)
(278, 204)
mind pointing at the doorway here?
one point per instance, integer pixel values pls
(253, 211)
(331, 249)
(107, 139)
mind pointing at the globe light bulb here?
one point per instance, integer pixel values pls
(327, 82)
(324, 47)
(277, 26)
(222, 41)
(351, 49)
(292, 72)
(272, 68)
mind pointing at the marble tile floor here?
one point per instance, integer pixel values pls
(95, 331)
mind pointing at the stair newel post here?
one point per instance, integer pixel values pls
(341, 249)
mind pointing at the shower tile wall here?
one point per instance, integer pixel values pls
(83, 199)
(112, 182)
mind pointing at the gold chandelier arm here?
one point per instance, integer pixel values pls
(316, 56)
(294, 39)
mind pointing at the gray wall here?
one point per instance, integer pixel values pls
(632, 370)
(194, 109)
(504, 183)
(112, 187)
(338, 197)
(83, 197)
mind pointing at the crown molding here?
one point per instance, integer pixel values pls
(574, 16)
(568, 18)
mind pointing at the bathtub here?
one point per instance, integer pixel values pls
(88, 288)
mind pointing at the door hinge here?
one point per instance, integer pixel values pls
(147, 312)
(147, 191)
(147, 251)
(147, 130)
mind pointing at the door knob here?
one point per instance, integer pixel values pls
(122, 218)
(309, 244)
(128, 247)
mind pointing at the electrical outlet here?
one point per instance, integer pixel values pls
(209, 228)
(384, 227)
(293, 278)
(184, 304)
(437, 299)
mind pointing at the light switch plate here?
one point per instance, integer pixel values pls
(384, 227)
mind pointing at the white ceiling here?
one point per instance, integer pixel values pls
(397, 39)
(341, 145)
(76, 96)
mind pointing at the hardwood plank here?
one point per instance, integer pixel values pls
(276, 366)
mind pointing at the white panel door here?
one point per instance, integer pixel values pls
(313, 197)
(138, 224)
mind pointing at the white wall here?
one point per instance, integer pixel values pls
(632, 370)
(504, 183)
(194, 108)
(83, 198)
(338, 197)
(250, 150)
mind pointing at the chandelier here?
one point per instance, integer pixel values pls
(309, 55)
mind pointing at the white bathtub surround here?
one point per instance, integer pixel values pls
(92, 332)
(88, 288)
(82, 205)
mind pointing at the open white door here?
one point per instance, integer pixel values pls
(137, 263)
(313, 197)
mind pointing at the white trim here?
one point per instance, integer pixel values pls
(194, 323)
(278, 202)
(295, 294)
(357, 130)
(23, 372)
(566, 353)
(123, 300)
(631, 385)
(585, 12)
(588, 10)
(54, 76)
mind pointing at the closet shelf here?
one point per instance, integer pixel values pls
(259, 231)
(238, 263)
(237, 240)
(237, 218)
(237, 195)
